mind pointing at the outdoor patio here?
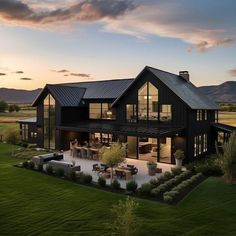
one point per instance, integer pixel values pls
(141, 177)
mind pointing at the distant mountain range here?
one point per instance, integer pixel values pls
(18, 95)
(225, 92)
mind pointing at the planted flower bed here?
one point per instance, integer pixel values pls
(171, 187)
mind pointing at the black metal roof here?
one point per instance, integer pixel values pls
(133, 130)
(67, 96)
(105, 89)
(189, 93)
(185, 90)
(224, 127)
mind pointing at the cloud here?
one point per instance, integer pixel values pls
(25, 78)
(62, 71)
(195, 24)
(16, 11)
(2, 74)
(80, 75)
(19, 72)
(66, 75)
(232, 72)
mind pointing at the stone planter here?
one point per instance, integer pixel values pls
(178, 163)
(152, 169)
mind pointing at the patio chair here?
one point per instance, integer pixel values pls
(120, 174)
(133, 169)
(103, 167)
(95, 167)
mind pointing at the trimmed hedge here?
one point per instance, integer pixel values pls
(176, 191)
(170, 183)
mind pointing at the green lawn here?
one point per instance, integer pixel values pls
(35, 204)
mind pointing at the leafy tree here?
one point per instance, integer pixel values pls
(11, 108)
(113, 156)
(125, 221)
(228, 159)
(3, 106)
(16, 107)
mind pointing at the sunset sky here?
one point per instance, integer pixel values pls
(57, 41)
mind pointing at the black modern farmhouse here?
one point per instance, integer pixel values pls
(153, 115)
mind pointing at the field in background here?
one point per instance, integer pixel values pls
(10, 120)
(228, 118)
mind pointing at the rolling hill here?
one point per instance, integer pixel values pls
(225, 92)
(18, 95)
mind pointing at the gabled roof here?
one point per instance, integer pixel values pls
(185, 90)
(67, 96)
(105, 89)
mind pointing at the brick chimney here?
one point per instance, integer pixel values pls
(184, 75)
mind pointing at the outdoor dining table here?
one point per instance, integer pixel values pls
(125, 171)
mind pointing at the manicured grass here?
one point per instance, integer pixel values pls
(32, 203)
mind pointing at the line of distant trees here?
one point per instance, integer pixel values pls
(11, 107)
(231, 107)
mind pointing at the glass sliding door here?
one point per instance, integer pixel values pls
(148, 149)
(165, 150)
(132, 147)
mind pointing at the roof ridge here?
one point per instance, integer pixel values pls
(95, 81)
(150, 67)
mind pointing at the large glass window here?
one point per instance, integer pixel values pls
(49, 122)
(95, 110)
(148, 102)
(166, 113)
(24, 132)
(131, 113)
(200, 144)
(152, 102)
(101, 111)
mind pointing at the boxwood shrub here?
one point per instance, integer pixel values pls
(101, 181)
(145, 189)
(115, 184)
(131, 186)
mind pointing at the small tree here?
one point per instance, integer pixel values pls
(3, 106)
(228, 159)
(125, 222)
(113, 156)
(12, 136)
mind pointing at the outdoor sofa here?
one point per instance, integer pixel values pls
(42, 159)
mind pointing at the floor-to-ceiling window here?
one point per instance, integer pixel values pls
(49, 122)
(148, 102)
(165, 150)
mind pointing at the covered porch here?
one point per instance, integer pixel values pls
(142, 142)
